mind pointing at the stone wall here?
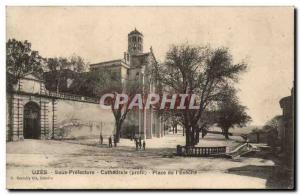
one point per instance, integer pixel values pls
(83, 120)
(70, 119)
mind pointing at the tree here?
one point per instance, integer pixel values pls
(171, 120)
(274, 122)
(20, 59)
(120, 112)
(56, 67)
(197, 70)
(60, 69)
(230, 113)
(271, 127)
(109, 82)
(78, 64)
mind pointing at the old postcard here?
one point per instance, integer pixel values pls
(149, 97)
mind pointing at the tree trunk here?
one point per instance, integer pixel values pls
(118, 131)
(197, 137)
(187, 136)
(226, 133)
(190, 136)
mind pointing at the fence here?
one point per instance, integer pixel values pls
(200, 151)
(72, 97)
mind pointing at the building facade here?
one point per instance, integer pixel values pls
(27, 110)
(136, 65)
(286, 128)
(33, 112)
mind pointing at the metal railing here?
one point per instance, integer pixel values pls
(200, 151)
(71, 97)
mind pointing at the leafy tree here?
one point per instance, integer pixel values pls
(230, 113)
(60, 69)
(271, 127)
(56, 67)
(274, 122)
(21, 59)
(197, 70)
(78, 64)
(171, 120)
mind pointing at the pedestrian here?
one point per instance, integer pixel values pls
(101, 139)
(109, 142)
(144, 145)
(136, 144)
(140, 143)
(131, 136)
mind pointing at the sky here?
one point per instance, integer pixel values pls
(263, 37)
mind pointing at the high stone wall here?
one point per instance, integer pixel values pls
(83, 120)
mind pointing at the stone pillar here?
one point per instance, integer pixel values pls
(44, 119)
(157, 125)
(145, 123)
(17, 118)
(149, 124)
(54, 119)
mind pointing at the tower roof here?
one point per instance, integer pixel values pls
(134, 32)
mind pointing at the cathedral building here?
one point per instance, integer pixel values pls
(136, 65)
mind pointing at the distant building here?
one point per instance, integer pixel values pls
(286, 130)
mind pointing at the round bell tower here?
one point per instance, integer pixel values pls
(135, 42)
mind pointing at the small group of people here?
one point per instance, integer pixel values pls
(139, 144)
(110, 141)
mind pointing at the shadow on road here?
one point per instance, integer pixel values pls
(276, 176)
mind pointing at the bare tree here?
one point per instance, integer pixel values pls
(121, 110)
(109, 82)
(197, 70)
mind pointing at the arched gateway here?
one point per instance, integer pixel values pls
(32, 123)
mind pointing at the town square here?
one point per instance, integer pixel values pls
(150, 97)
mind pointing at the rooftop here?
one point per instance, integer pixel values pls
(110, 62)
(135, 32)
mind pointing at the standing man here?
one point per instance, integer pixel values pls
(140, 142)
(144, 145)
(109, 142)
(136, 143)
(101, 139)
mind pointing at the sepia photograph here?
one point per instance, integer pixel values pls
(150, 97)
